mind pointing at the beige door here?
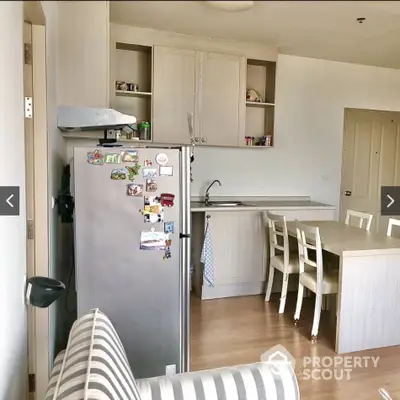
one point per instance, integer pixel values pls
(370, 160)
(30, 191)
(174, 99)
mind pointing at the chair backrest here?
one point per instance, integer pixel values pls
(392, 222)
(277, 228)
(308, 238)
(363, 217)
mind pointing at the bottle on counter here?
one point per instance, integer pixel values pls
(144, 129)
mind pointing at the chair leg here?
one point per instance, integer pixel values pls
(299, 303)
(282, 303)
(317, 315)
(270, 281)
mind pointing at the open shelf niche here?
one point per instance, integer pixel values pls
(260, 115)
(133, 64)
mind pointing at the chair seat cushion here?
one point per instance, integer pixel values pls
(329, 281)
(293, 268)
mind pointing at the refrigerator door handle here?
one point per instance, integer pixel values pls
(184, 236)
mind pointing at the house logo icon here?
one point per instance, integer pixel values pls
(278, 357)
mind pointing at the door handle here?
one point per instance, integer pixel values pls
(347, 193)
(196, 139)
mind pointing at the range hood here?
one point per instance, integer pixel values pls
(77, 118)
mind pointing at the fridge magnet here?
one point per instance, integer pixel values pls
(151, 185)
(135, 189)
(119, 174)
(149, 172)
(129, 156)
(153, 210)
(133, 172)
(166, 171)
(167, 254)
(169, 227)
(161, 158)
(153, 240)
(167, 199)
(113, 158)
(148, 163)
(95, 157)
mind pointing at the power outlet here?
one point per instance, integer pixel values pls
(170, 369)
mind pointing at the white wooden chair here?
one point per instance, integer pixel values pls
(318, 281)
(285, 262)
(392, 222)
(363, 217)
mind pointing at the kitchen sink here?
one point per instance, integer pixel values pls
(224, 204)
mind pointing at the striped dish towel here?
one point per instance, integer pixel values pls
(207, 257)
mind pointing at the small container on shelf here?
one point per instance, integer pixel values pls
(266, 141)
(144, 129)
(249, 140)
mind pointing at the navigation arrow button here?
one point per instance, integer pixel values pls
(9, 200)
(391, 200)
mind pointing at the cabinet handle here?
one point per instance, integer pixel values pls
(203, 140)
(196, 139)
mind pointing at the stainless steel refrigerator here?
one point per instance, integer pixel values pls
(125, 199)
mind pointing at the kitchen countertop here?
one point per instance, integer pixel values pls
(261, 204)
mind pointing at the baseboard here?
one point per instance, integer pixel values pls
(232, 290)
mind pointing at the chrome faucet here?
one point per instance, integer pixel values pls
(207, 196)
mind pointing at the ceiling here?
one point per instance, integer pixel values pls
(318, 29)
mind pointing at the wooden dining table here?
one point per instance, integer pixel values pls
(368, 299)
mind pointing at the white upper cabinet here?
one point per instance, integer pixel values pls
(83, 53)
(222, 104)
(175, 74)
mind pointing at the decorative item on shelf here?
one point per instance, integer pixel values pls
(121, 85)
(249, 140)
(253, 95)
(266, 141)
(132, 87)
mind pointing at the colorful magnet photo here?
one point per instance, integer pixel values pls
(167, 199)
(135, 189)
(167, 254)
(161, 158)
(153, 210)
(129, 156)
(169, 227)
(166, 171)
(149, 172)
(113, 158)
(95, 157)
(153, 240)
(133, 172)
(119, 174)
(148, 162)
(151, 185)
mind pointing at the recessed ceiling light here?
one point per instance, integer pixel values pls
(231, 5)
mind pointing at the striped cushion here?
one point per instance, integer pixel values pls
(94, 365)
(55, 372)
(245, 382)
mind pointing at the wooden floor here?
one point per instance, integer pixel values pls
(238, 330)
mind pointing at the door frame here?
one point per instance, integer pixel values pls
(34, 14)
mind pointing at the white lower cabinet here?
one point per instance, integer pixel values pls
(240, 250)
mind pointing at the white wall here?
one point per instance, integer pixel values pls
(13, 327)
(311, 96)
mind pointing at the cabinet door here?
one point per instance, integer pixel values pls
(222, 99)
(83, 53)
(174, 94)
(238, 245)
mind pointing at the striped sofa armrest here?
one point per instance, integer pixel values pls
(94, 365)
(259, 381)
